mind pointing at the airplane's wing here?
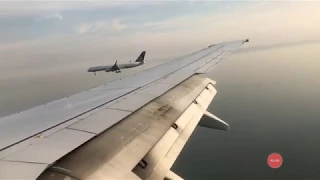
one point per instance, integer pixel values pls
(115, 67)
(130, 128)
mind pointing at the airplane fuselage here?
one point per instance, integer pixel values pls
(109, 68)
(117, 67)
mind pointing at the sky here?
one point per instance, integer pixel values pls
(50, 37)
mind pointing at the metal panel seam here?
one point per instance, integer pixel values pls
(68, 120)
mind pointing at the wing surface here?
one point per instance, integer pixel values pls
(107, 123)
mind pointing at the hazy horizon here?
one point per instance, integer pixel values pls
(46, 38)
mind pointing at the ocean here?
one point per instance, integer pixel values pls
(270, 97)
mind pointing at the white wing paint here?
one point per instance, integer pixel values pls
(133, 128)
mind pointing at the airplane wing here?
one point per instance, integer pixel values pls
(131, 128)
(115, 67)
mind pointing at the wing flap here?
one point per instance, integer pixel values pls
(20, 170)
(100, 121)
(162, 156)
(48, 150)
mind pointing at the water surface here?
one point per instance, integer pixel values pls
(270, 97)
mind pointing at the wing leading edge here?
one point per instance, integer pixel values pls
(57, 131)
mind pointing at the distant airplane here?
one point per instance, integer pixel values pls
(117, 67)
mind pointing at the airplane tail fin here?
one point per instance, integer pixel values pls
(141, 57)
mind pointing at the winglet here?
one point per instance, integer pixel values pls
(141, 57)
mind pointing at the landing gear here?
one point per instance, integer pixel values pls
(94, 73)
(118, 71)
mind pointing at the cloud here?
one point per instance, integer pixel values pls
(34, 20)
(264, 23)
(20, 8)
(56, 16)
(109, 26)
